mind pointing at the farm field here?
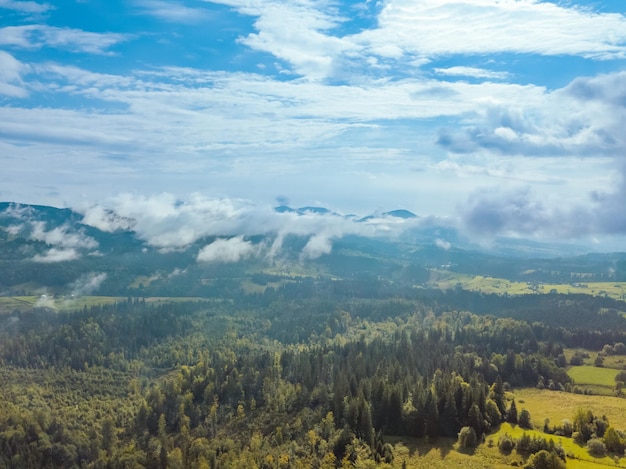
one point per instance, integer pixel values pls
(447, 280)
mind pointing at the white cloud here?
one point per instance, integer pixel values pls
(227, 250)
(184, 130)
(11, 71)
(172, 12)
(57, 255)
(167, 222)
(306, 34)
(446, 27)
(106, 220)
(296, 31)
(461, 71)
(25, 7)
(317, 246)
(65, 242)
(443, 244)
(35, 36)
(87, 284)
(61, 237)
(207, 112)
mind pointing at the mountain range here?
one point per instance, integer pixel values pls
(60, 250)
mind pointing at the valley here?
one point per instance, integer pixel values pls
(377, 353)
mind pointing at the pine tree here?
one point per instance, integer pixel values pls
(511, 415)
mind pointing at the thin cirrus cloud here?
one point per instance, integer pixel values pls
(36, 36)
(11, 70)
(172, 12)
(25, 6)
(473, 72)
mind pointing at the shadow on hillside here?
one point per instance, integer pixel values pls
(423, 446)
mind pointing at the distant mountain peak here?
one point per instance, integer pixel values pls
(284, 209)
(315, 210)
(401, 213)
(304, 210)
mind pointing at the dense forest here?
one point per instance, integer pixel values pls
(280, 363)
(314, 373)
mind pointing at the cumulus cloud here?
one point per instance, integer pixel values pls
(87, 284)
(62, 237)
(585, 120)
(106, 220)
(297, 32)
(66, 243)
(443, 244)
(505, 212)
(449, 27)
(521, 212)
(57, 255)
(317, 246)
(164, 221)
(167, 222)
(227, 250)
(308, 35)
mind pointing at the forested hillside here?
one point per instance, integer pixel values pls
(311, 374)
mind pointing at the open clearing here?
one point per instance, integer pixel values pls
(557, 406)
(485, 284)
(577, 455)
(554, 405)
(593, 376)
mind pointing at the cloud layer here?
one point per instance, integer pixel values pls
(430, 105)
(166, 222)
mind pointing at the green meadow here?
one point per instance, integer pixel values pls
(486, 284)
(593, 376)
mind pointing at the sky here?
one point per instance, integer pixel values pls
(502, 117)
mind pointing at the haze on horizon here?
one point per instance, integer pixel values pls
(503, 117)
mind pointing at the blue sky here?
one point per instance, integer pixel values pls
(505, 117)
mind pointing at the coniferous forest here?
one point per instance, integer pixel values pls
(315, 373)
(344, 360)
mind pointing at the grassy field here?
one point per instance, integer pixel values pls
(447, 280)
(10, 303)
(593, 376)
(26, 303)
(554, 405)
(557, 406)
(250, 287)
(617, 362)
(442, 453)
(577, 456)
